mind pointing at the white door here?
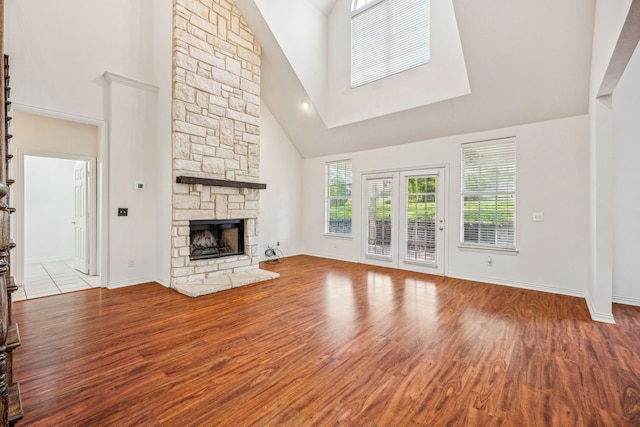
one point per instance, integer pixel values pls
(80, 221)
(404, 220)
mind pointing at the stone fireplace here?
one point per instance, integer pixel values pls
(216, 137)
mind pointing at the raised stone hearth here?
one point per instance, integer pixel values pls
(222, 283)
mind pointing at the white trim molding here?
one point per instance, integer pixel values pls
(517, 284)
(128, 81)
(599, 317)
(618, 299)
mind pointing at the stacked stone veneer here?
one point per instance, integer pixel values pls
(216, 110)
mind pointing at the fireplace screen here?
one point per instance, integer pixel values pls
(216, 238)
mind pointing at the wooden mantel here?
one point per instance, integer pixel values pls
(219, 182)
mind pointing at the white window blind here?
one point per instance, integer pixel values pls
(489, 194)
(338, 201)
(379, 199)
(388, 37)
(421, 219)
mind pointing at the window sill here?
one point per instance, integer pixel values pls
(378, 257)
(339, 236)
(490, 249)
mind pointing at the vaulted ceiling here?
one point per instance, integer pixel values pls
(527, 61)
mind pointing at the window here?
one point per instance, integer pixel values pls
(357, 4)
(489, 194)
(421, 219)
(338, 198)
(388, 37)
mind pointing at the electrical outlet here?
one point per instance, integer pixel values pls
(131, 263)
(123, 211)
(538, 216)
(277, 243)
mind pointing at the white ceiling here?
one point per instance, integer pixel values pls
(324, 6)
(527, 61)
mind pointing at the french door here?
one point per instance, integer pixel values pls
(404, 220)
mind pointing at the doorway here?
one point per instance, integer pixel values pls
(404, 220)
(55, 168)
(58, 225)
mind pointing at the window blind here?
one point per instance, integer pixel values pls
(389, 37)
(489, 193)
(379, 198)
(421, 219)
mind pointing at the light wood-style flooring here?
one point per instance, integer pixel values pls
(329, 343)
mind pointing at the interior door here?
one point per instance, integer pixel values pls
(80, 220)
(404, 220)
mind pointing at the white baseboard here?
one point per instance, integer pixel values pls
(129, 282)
(626, 300)
(163, 283)
(521, 285)
(599, 317)
(327, 256)
(263, 258)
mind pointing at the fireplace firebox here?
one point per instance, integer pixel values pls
(216, 238)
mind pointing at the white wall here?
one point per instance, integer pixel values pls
(609, 20)
(59, 52)
(626, 178)
(281, 203)
(162, 77)
(300, 28)
(132, 160)
(48, 188)
(552, 173)
(60, 49)
(445, 76)
(47, 135)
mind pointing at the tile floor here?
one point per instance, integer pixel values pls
(52, 278)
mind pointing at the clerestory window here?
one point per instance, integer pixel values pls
(388, 37)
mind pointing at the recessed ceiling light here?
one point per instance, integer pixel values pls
(305, 105)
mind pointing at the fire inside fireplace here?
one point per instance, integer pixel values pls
(216, 238)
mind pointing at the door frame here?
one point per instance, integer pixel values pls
(444, 182)
(18, 201)
(102, 188)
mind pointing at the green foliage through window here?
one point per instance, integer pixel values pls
(338, 200)
(489, 193)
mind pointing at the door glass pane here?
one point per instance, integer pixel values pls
(379, 193)
(421, 219)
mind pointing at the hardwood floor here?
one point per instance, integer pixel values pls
(328, 343)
